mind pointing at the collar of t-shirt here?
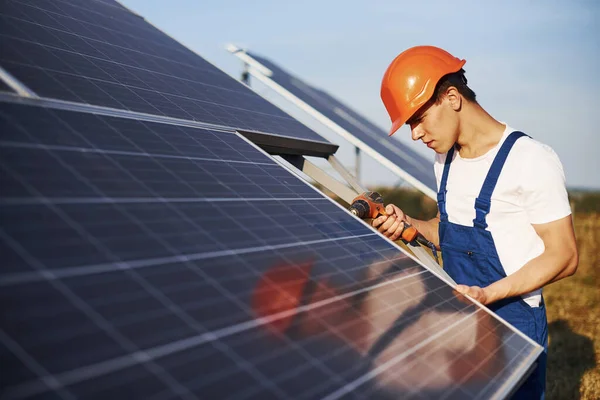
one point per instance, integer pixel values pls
(491, 152)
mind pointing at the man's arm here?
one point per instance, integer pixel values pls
(392, 225)
(559, 260)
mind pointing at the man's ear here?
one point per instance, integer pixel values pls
(454, 98)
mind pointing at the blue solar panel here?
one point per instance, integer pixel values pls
(98, 53)
(412, 165)
(156, 258)
(157, 261)
(4, 87)
(113, 3)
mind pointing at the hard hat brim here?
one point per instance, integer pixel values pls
(395, 126)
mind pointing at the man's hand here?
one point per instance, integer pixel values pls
(475, 292)
(390, 225)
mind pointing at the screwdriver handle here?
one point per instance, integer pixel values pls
(409, 233)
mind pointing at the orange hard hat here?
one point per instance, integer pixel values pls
(410, 80)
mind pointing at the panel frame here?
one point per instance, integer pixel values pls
(274, 144)
(15, 84)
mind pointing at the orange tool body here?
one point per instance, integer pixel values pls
(368, 205)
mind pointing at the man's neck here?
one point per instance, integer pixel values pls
(479, 131)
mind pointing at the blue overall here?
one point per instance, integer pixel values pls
(470, 258)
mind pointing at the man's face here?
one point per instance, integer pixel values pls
(436, 124)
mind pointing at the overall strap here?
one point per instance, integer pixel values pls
(441, 196)
(484, 200)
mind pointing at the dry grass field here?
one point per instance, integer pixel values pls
(574, 320)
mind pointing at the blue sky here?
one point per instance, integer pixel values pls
(533, 64)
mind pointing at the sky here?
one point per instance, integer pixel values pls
(533, 64)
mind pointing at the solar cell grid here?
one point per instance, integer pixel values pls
(93, 53)
(144, 251)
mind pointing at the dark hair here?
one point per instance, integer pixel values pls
(459, 81)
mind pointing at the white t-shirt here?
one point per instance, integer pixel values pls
(530, 190)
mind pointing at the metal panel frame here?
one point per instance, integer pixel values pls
(263, 74)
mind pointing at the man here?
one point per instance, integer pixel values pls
(504, 223)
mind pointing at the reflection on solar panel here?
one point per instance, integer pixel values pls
(91, 52)
(400, 159)
(156, 259)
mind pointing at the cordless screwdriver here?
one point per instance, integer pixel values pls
(370, 205)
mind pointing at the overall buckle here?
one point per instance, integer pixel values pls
(482, 208)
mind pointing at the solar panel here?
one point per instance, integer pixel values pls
(4, 87)
(361, 132)
(151, 257)
(113, 3)
(142, 260)
(98, 53)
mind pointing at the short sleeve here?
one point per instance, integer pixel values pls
(545, 197)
